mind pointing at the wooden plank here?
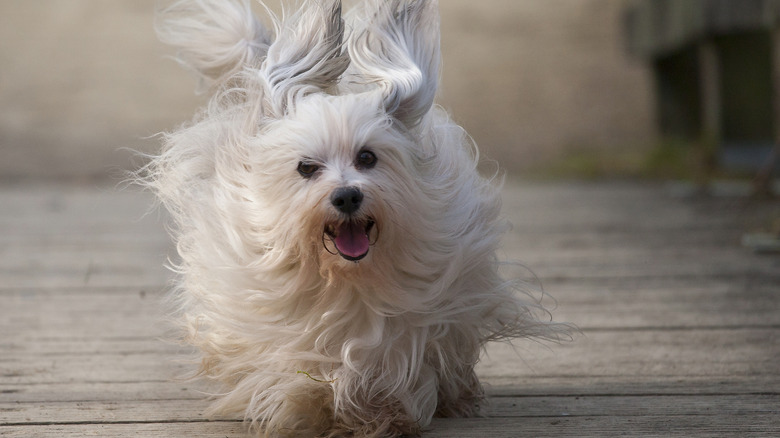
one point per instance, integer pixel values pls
(625, 406)
(233, 429)
(190, 410)
(55, 313)
(154, 387)
(82, 322)
(640, 385)
(691, 263)
(682, 353)
(518, 386)
(107, 267)
(67, 214)
(712, 426)
(626, 209)
(141, 325)
(645, 352)
(83, 267)
(38, 318)
(96, 412)
(56, 236)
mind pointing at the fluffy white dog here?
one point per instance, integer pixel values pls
(338, 269)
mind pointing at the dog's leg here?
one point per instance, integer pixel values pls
(461, 396)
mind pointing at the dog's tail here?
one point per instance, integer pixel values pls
(215, 38)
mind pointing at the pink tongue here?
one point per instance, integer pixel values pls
(352, 240)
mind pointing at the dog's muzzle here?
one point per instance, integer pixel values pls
(351, 236)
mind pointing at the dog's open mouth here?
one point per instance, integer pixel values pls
(351, 238)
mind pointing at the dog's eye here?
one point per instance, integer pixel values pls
(365, 160)
(307, 170)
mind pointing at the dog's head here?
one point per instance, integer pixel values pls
(337, 175)
(319, 135)
(340, 147)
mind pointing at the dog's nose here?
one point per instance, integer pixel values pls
(347, 199)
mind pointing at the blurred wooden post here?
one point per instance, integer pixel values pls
(763, 183)
(710, 134)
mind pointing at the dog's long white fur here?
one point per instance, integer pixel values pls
(302, 341)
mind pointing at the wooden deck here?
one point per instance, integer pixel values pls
(680, 323)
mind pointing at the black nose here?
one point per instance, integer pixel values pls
(346, 199)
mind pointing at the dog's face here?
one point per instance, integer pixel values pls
(340, 174)
(312, 148)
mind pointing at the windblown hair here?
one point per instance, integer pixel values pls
(307, 330)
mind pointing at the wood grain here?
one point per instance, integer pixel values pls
(679, 324)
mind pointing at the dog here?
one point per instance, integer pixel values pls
(338, 270)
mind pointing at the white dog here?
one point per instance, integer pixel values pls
(338, 269)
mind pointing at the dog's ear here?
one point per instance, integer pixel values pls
(307, 56)
(398, 48)
(215, 38)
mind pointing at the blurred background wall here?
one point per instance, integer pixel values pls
(531, 80)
